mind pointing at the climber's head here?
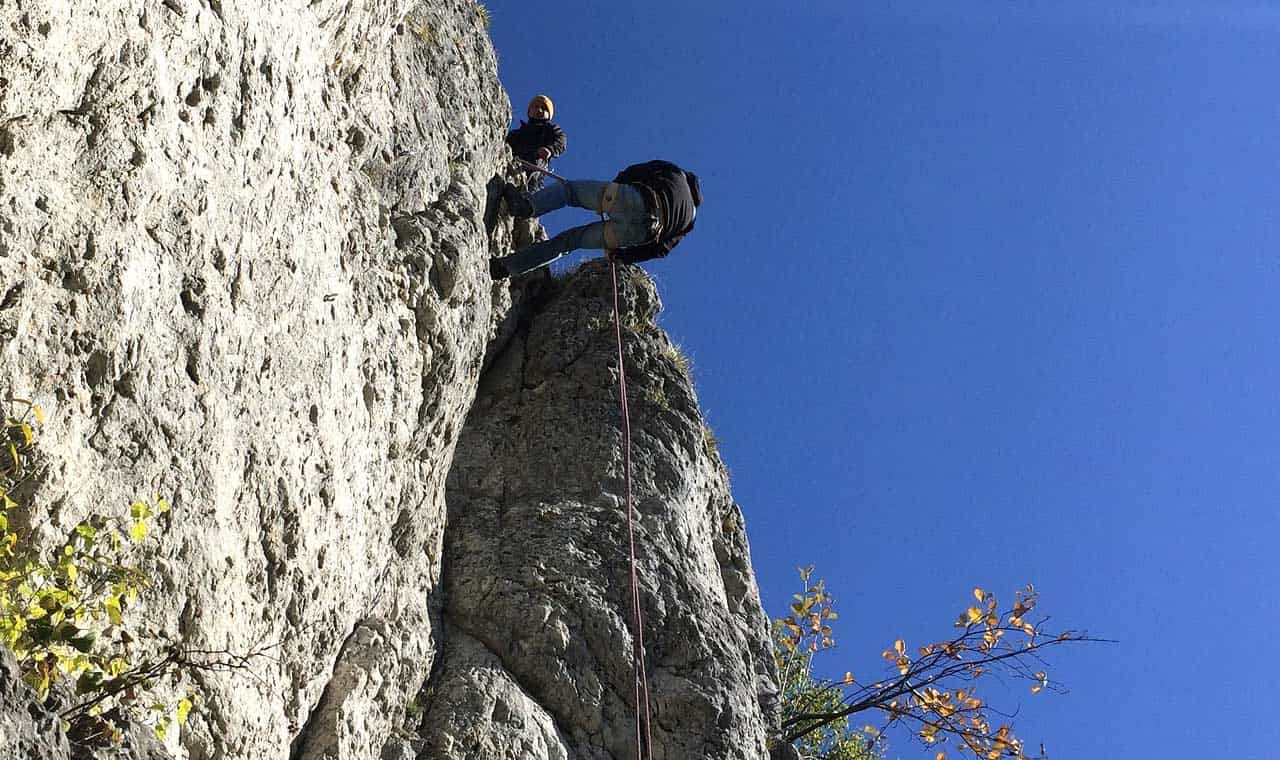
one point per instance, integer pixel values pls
(541, 107)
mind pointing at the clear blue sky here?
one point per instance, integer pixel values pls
(980, 294)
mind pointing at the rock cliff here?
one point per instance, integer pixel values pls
(537, 660)
(242, 265)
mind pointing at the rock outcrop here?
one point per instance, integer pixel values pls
(537, 659)
(243, 266)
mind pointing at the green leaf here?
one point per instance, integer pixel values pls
(184, 709)
(89, 681)
(112, 606)
(84, 642)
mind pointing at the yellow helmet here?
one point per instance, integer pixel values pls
(544, 101)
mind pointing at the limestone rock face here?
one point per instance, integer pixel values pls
(242, 266)
(27, 730)
(537, 659)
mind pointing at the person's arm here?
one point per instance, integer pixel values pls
(557, 145)
(554, 147)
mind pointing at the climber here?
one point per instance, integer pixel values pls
(539, 139)
(651, 207)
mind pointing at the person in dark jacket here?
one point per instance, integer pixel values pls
(651, 207)
(539, 139)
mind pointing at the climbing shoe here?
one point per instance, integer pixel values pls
(492, 198)
(498, 270)
(517, 202)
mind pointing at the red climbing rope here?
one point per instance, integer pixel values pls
(644, 747)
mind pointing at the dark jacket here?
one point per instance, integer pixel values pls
(672, 195)
(531, 135)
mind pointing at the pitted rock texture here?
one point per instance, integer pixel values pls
(242, 266)
(537, 659)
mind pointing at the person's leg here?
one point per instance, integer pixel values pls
(553, 195)
(543, 253)
(582, 193)
(631, 225)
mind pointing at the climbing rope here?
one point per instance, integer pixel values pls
(535, 168)
(644, 728)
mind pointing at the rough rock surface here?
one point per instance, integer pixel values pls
(537, 659)
(27, 730)
(30, 731)
(242, 266)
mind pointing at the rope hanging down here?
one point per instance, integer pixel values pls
(643, 749)
(644, 730)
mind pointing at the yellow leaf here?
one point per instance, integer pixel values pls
(113, 610)
(975, 614)
(940, 756)
(184, 708)
(138, 531)
(899, 646)
(39, 414)
(1036, 689)
(848, 678)
(979, 594)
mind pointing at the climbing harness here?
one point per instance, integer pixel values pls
(644, 729)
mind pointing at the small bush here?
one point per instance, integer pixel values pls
(657, 396)
(710, 442)
(420, 28)
(62, 612)
(680, 359)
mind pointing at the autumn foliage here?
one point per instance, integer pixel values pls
(932, 689)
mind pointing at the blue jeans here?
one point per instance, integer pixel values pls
(630, 222)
